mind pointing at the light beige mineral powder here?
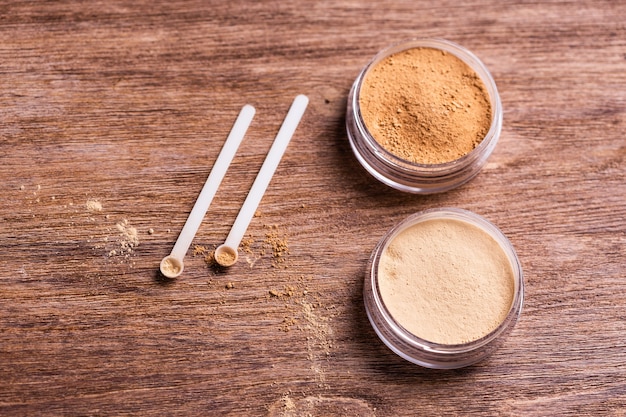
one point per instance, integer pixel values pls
(446, 281)
(170, 267)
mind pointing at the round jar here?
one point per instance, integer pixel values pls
(412, 175)
(443, 288)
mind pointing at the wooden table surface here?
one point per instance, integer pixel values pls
(111, 116)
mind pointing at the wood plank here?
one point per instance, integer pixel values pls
(128, 103)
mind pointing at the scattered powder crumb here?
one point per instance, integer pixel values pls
(306, 312)
(129, 238)
(94, 205)
(287, 324)
(277, 244)
(320, 328)
(289, 291)
(209, 258)
(246, 245)
(230, 286)
(22, 187)
(312, 406)
(150, 231)
(257, 213)
(288, 403)
(199, 250)
(209, 255)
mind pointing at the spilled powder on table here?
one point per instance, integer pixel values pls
(246, 245)
(128, 236)
(318, 325)
(206, 253)
(278, 245)
(118, 239)
(128, 239)
(274, 245)
(93, 205)
(317, 405)
(303, 309)
(305, 312)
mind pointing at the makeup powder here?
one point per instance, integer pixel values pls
(446, 281)
(425, 105)
(423, 116)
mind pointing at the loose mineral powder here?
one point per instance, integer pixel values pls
(423, 116)
(425, 105)
(446, 281)
(444, 288)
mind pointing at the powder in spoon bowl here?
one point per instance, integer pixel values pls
(444, 288)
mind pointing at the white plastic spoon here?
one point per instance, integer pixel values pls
(172, 265)
(227, 254)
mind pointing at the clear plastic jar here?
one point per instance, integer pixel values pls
(414, 177)
(421, 351)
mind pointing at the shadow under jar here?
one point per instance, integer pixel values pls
(443, 288)
(409, 112)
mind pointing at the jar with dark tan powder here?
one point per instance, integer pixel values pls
(423, 116)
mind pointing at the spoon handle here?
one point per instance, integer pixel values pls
(213, 181)
(296, 111)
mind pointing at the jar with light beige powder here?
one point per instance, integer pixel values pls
(443, 288)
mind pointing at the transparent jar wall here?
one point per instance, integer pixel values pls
(408, 176)
(423, 352)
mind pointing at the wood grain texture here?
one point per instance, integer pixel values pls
(128, 103)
